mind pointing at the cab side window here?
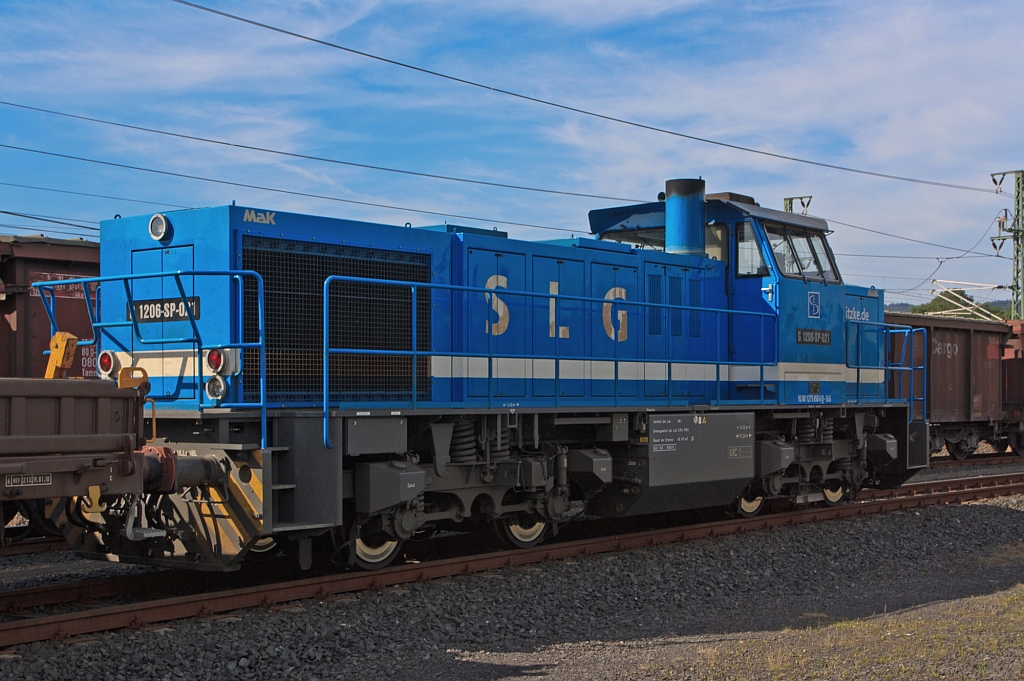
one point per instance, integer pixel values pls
(749, 261)
(716, 244)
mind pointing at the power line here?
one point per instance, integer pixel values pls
(95, 196)
(61, 217)
(321, 159)
(47, 230)
(389, 206)
(40, 218)
(285, 191)
(573, 109)
(913, 257)
(878, 276)
(907, 238)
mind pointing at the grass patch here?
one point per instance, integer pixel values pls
(976, 638)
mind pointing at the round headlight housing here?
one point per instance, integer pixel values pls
(216, 388)
(215, 360)
(107, 364)
(159, 227)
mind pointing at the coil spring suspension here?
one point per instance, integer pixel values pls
(463, 449)
(827, 429)
(500, 448)
(805, 431)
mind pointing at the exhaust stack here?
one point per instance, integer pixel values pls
(684, 217)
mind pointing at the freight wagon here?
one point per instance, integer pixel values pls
(24, 327)
(973, 382)
(348, 384)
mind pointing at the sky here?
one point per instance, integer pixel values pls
(926, 90)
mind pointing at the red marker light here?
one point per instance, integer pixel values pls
(215, 360)
(106, 362)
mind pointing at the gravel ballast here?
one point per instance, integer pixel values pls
(638, 614)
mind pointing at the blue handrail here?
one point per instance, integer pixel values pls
(48, 296)
(490, 355)
(891, 337)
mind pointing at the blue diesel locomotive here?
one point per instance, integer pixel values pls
(317, 377)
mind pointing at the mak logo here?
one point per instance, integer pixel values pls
(813, 305)
(266, 218)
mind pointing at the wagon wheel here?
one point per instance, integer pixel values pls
(521, 531)
(959, 450)
(1016, 441)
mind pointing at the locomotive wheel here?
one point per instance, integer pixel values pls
(265, 548)
(1016, 442)
(374, 551)
(521, 531)
(748, 508)
(1000, 446)
(835, 495)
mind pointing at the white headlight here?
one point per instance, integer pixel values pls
(159, 227)
(216, 388)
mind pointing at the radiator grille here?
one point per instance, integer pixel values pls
(363, 316)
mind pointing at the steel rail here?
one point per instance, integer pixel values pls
(34, 545)
(152, 612)
(976, 461)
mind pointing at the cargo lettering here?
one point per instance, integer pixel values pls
(615, 293)
(563, 331)
(496, 328)
(497, 304)
(950, 350)
(266, 218)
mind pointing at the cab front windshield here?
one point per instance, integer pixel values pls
(801, 253)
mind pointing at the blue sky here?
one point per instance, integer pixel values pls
(921, 89)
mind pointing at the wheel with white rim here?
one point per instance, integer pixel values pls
(375, 551)
(265, 548)
(521, 531)
(749, 507)
(834, 494)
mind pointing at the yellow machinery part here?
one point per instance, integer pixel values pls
(62, 354)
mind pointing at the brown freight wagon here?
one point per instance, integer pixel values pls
(24, 326)
(965, 381)
(1013, 386)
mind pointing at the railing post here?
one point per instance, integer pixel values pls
(327, 362)
(263, 358)
(615, 350)
(415, 376)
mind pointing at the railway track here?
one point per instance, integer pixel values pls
(34, 545)
(977, 460)
(329, 587)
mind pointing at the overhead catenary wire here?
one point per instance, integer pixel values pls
(916, 241)
(916, 257)
(41, 218)
(577, 110)
(420, 211)
(47, 230)
(321, 159)
(290, 192)
(95, 196)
